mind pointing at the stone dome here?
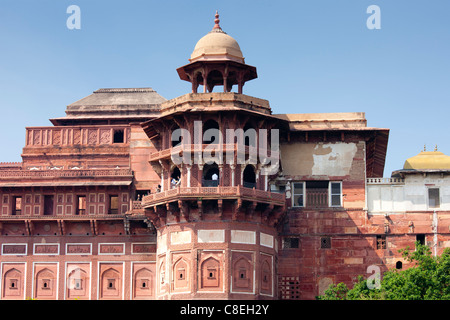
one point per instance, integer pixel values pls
(217, 45)
(428, 160)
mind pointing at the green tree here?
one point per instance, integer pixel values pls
(427, 279)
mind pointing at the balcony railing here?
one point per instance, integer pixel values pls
(385, 181)
(316, 198)
(225, 147)
(213, 193)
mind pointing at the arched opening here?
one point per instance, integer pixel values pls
(214, 78)
(198, 82)
(249, 177)
(231, 80)
(175, 137)
(399, 265)
(175, 177)
(242, 275)
(180, 271)
(211, 128)
(211, 175)
(250, 138)
(210, 277)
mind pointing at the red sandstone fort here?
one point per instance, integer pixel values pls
(99, 209)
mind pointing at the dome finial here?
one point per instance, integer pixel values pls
(216, 21)
(435, 148)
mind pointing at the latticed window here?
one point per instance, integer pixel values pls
(289, 243)
(289, 288)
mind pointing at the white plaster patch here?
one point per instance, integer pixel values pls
(211, 236)
(180, 237)
(336, 160)
(266, 240)
(240, 236)
(162, 243)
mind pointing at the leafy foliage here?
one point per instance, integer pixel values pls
(427, 279)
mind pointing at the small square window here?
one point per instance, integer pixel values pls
(118, 136)
(325, 243)
(77, 284)
(46, 284)
(111, 284)
(13, 284)
(181, 274)
(144, 284)
(211, 273)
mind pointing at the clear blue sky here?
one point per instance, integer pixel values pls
(311, 56)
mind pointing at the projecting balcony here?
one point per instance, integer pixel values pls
(193, 149)
(211, 193)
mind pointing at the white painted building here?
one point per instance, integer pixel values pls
(422, 185)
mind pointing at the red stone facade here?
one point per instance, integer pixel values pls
(92, 211)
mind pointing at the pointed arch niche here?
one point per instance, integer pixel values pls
(211, 271)
(13, 281)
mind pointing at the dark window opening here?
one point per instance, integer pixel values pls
(249, 177)
(48, 205)
(175, 177)
(325, 243)
(381, 242)
(46, 284)
(141, 193)
(111, 284)
(212, 136)
(290, 243)
(250, 138)
(211, 176)
(113, 204)
(421, 239)
(17, 206)
(176, 136)
(13, 284)
(398, 265)
(118, 136)
(81, 205)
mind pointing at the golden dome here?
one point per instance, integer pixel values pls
(428, 160)
(217, 45)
